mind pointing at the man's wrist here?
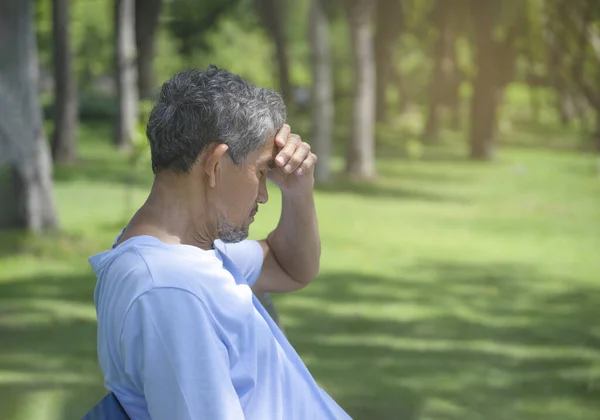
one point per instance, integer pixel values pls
(302, 187)
(297, 193)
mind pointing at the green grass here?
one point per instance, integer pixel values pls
(448, 290)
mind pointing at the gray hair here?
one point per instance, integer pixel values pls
(196, 108)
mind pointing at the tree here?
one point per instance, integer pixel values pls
(29, 197)
(190, 20)
(126, 73)
(388, 24)
(147, 13)
(65, 86)
(446, 77)
(495, 61)
(322, 88)
(577, 37)
(272, 15)
(360, 156)
(555, 61)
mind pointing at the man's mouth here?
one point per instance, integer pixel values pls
(254, 211)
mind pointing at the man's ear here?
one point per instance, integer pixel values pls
(214, 162)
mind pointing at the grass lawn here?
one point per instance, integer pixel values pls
(448, 290)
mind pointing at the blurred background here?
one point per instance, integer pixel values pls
(458, 191)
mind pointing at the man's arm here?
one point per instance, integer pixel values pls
(292, 251)
(175, 356)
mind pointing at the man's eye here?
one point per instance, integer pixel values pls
(271, 164)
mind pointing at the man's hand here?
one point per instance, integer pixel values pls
(295, 164)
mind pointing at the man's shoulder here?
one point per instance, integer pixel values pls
(138, 266)
(163, 266)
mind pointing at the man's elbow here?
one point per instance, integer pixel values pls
(310, 272)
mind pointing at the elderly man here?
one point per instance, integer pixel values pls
(180, 333)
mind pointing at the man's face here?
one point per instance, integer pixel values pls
(240, 189)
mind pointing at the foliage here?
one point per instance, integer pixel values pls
(190, 20)
(91, 37)
(247, 52)
(140, 151)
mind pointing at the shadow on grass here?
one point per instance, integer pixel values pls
(443, 152)
(470, 342)
(103, 169)
(48, 364)
(387, 190)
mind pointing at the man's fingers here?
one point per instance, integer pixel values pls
(308, 164)
(282, 135)
(291, 144)
(299, 156)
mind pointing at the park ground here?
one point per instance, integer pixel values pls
(449, 290)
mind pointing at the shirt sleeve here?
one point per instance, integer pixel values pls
(175, 356)
(247, 256)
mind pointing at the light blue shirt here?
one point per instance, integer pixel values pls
(181, 336)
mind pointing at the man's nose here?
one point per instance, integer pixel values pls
(263, 193)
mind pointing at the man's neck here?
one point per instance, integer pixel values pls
(174, 213)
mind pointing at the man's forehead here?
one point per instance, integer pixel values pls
(268, 152)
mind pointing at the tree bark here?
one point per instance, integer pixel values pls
(446, 78)
(22, 139)
(126, 73)
(573, 23)
(147, 13)
(484, 107)
(495, 68)
(556, 78)
(272, 14)
(322, 89)
(360, 157)
(65, 86)
(431, 130)
(596, 136)
(388, 17)
(11, 188)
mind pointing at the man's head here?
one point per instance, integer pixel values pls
(217, 130)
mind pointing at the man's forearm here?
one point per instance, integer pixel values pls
(295, 242)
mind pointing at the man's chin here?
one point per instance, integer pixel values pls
(231, 236)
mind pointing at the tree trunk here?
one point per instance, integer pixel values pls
(65, 86)
(360, 157)
(11, 188)
(322, 89)
(147, 13)
(454, 77)
(596, 138)
(556, 78)
(126, 73)
(273, 17)
(388, 25)
(495, 68)
(445, 80)
(431, 131)
(404, 101)
(483, 115)
(22, 139)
